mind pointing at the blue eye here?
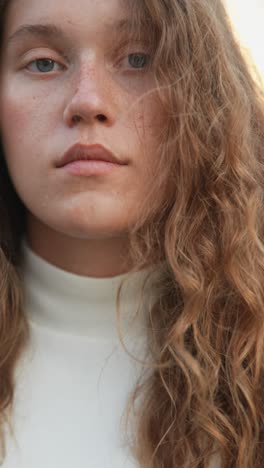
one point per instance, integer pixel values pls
(46, 65)
(138, 60)
(43, 65)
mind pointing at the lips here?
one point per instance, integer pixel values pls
(79, 152)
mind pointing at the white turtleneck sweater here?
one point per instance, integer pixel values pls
(73, 381)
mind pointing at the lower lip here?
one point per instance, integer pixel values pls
(90, 168)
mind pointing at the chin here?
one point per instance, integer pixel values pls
(86, 231)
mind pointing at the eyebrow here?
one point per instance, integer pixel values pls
(51, 31)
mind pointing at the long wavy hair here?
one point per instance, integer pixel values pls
(201, 391)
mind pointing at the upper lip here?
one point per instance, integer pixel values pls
(93, 152)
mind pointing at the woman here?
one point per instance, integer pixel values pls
(161, 91)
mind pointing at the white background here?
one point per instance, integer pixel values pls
(248, 20)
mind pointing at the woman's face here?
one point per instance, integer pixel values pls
(90, 71)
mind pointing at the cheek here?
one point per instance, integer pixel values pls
(144, 128)
(18, 137)
(148, 117)
(16, 120)
(155, 115)
(22, 111)
(147, 125)
(23, 126)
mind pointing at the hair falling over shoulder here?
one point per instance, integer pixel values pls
(203, 234)
(203, 397)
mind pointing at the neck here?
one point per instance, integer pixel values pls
(98, 257)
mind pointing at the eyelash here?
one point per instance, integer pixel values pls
(54, 61)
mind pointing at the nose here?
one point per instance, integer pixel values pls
(91, 102)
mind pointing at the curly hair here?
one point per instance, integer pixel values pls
(201, 395)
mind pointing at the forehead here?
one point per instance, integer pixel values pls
(95, 14)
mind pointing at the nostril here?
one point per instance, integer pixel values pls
(76, 118)
(101, 117)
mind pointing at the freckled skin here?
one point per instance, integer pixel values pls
(76, 220)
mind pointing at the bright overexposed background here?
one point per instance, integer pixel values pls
(248, 20)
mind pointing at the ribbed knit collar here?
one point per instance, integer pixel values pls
(80, 305)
